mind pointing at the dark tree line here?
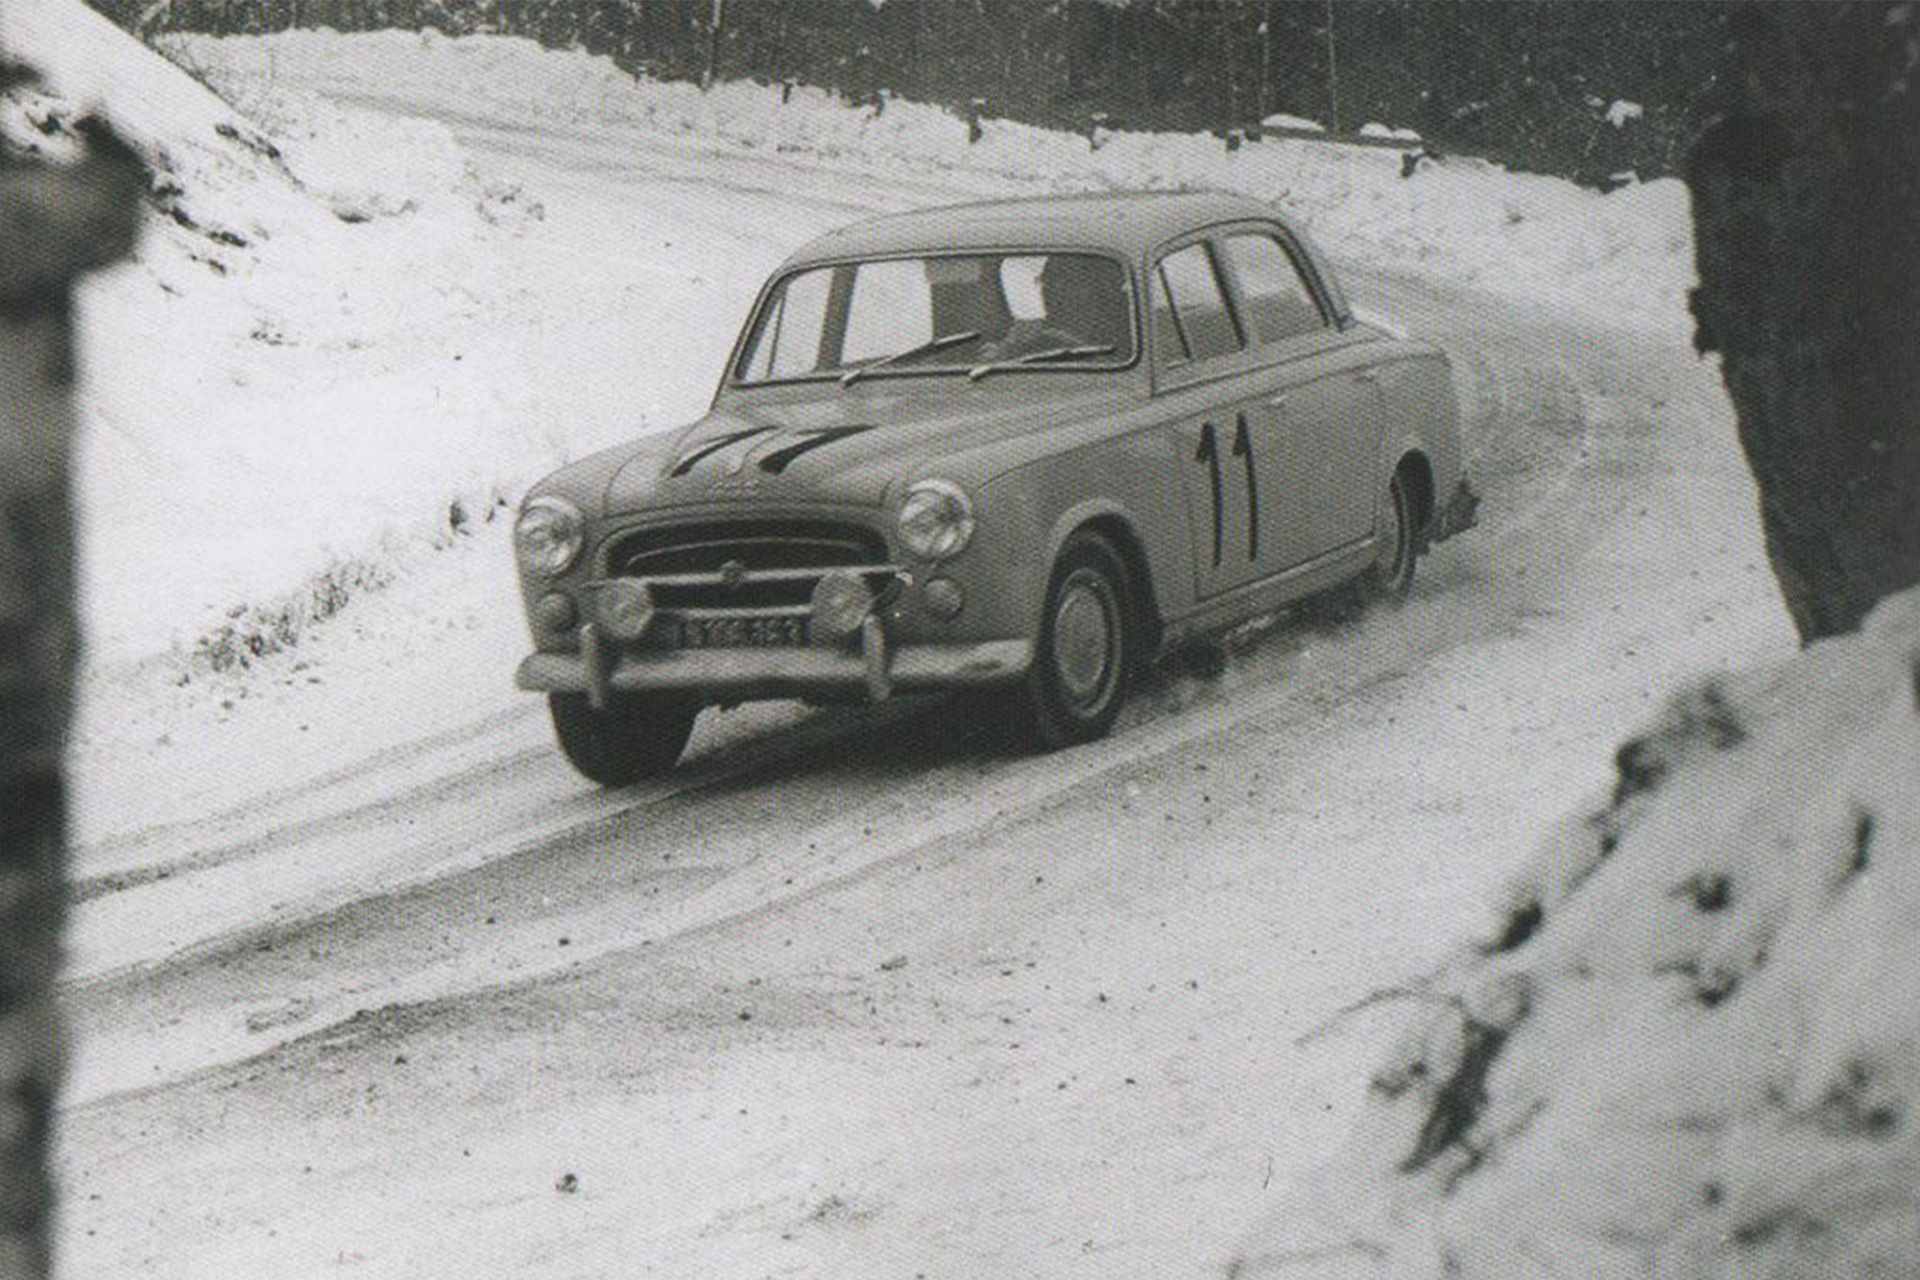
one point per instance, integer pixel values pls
(1526, 82)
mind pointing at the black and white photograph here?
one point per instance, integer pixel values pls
(960, 639)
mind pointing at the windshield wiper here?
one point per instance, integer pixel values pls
(945, 340)
(980, 371)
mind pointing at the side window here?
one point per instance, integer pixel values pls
(1189, 303)
(1278, 302)
(891, 310)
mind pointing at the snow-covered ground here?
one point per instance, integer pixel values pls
(363, 979)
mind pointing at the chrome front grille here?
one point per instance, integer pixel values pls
(744, 565)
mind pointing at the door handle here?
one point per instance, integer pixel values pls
(1368, 377)
(1276, 402)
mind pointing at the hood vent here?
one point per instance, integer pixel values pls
(692, 459)
(783, 457)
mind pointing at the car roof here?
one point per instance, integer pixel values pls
(1130, 223)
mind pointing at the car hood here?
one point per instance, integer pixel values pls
(841, 446)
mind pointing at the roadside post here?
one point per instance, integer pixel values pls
(1099, 124)
(57, 222)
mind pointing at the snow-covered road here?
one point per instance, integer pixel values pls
(369, 975)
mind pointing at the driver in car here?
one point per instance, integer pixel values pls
(1083, 306)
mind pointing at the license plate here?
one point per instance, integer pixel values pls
(742, 633)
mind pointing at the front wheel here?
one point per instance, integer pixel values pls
(1391, 576)
(1079, 678)
(637, 736)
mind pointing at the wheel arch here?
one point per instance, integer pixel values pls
(1416, 471)
(1112, 523)
(1422, 438)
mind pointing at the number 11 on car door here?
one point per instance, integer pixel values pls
(1223, 489)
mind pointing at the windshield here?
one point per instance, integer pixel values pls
(942, 314)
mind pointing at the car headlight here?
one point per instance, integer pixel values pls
(549, 535)
(936, 520)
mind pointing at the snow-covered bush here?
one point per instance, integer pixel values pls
(1688, 1042)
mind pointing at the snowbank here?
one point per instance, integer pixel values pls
(285, 390)
(1629, 253)
(1689, 1042)
(1281, 120)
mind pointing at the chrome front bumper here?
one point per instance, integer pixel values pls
(871, 667)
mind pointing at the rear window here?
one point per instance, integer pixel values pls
(1279, 304)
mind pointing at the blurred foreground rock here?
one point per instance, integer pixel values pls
(1688, 1043)
(1806, 204)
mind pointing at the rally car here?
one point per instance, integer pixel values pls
(1022, 447)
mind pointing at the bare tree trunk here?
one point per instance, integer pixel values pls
(1333, 75)
(1264, 98)
(54, 224)
(1229, 57)
(714, 21)
(1807, 219)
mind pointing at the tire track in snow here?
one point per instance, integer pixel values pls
(917, 800)
(280, 814)
(492, 827)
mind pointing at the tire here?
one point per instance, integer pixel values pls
(637, 736)
(1078, 682)
(1391, 576)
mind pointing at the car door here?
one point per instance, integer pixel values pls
(1311, 420)
(1201, 375)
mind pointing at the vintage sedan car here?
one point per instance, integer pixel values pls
(1022, 447)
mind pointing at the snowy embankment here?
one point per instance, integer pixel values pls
(300, 378)
(320, 362)
(1629, 253)
(1688, 1043)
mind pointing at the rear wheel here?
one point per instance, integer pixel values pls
(1391, 576)
(637, 736)
(1079, 678)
